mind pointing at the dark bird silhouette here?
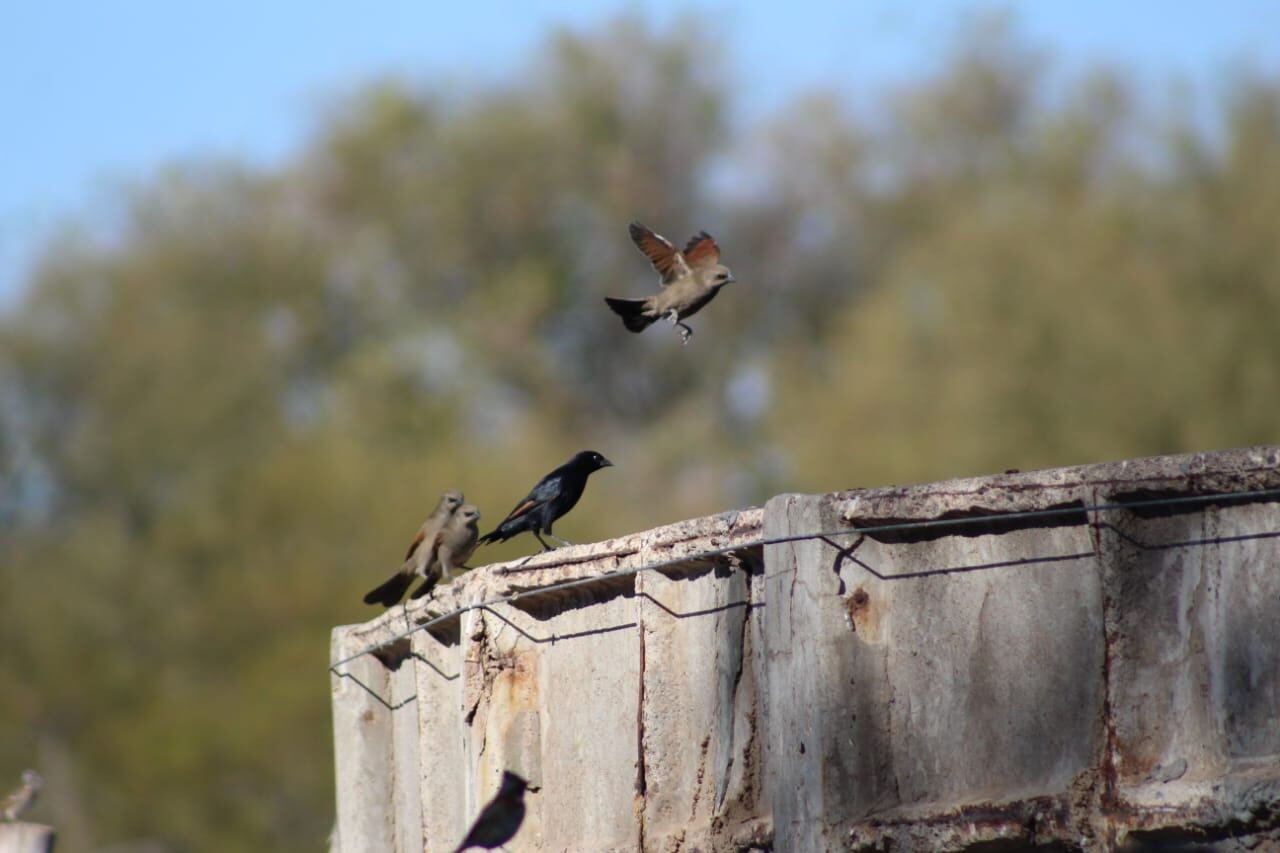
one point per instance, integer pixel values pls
(553, 496)
(501, 818)
(454, 545)
(422, 553)
(690, 279)
(17, 802)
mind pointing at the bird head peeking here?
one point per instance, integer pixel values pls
(468, 513)
(450, 500)
(513, 785)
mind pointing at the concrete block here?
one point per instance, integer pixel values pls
(899, 668)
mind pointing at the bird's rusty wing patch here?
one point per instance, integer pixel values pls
(658, 249)
(413, 546)
(702, 250)
(520, 510)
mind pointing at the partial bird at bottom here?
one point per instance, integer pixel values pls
(501, 818)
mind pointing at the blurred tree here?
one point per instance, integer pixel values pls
(218, 427)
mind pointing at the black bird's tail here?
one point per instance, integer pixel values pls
(495, 535)
(631, 311)
(390, 593)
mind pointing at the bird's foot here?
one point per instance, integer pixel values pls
(558, 539)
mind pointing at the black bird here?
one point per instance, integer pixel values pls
(554, 495)
(501, 818)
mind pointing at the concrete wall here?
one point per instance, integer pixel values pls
(1080, 679)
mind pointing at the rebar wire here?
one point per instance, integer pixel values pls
(711, 553)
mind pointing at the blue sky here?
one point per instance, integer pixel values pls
(95, 94)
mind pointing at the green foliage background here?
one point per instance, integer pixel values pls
(223, 412)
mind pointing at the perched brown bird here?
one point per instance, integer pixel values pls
(455, 543)
(20, 800)
(500, 820)
(690, 279)
(422, 552)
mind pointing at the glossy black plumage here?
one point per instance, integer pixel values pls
(553, 496)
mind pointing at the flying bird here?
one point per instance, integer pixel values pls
(553, 496)
(455, 544)
(501, 818)
(690, 279)
(422, 552)
(21, 799)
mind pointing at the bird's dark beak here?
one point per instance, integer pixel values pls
(605, 463)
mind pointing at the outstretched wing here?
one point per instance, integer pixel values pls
(702, 251)
(669, 263)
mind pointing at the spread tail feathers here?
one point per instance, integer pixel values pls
(631, 311)
(390, 593)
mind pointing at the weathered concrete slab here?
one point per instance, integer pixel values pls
(931, 674)
(442, 767)
(362, 749)
(696, 653)
(23, 837)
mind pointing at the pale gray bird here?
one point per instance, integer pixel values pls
(422, 553)
(690, 279)
(20, 800)
(455, 543)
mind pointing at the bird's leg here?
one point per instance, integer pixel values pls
(685, 332)
(545, 546)
(445, 568)
(558, 539)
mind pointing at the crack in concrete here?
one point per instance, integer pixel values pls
(733, 696)
(1108, 796)
(641, 769)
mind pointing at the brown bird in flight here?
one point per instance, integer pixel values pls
(422, 553)
(690, 279)
(455, 544)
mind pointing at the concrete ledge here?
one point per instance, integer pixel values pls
(684, 542)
